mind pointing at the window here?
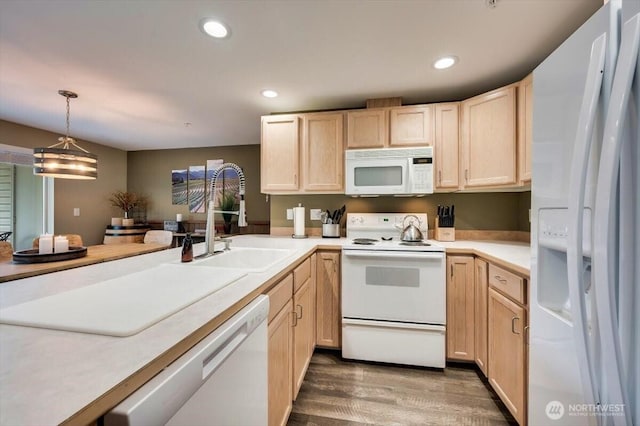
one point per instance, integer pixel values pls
(26, 200)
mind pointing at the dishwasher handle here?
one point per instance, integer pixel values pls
(214, 360)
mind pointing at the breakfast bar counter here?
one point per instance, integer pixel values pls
(10, 271)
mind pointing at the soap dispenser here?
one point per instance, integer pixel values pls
(187, 249)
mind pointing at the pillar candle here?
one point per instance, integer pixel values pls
(60, 244)
(179, 217)
(45, 244)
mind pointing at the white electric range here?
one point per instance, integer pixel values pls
(393, 293)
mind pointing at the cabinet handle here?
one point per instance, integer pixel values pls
(295, 319)
(513, 325)
(439, 177)
(295, 178)
(499, 278)
(299, 306)
(526, 334)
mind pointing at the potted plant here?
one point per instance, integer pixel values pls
(227, 203)
(125, 201)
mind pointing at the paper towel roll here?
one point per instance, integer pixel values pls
(298, 221)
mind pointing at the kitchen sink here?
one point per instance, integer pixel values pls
(249, 259)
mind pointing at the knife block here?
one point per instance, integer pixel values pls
(445, 234)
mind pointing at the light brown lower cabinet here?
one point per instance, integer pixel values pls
(506, 355)
(280, 366)
(303, 325)
(460, 308)
(328, 299)
(291, 338)
(481, 312)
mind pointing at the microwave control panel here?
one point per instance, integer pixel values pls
(422, 175)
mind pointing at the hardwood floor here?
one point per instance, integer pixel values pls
(342, 392)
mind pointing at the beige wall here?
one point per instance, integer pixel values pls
(149, 172)
(479, 211)
(90, 196)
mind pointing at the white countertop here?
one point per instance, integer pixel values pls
(46, 376)
(517, 254)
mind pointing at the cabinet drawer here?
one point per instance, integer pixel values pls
(508, 283)
(280, 295)
(301, 274)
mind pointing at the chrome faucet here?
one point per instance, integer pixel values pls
(209, 237)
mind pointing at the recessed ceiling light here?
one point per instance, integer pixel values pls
(445, 62)
(214, 28)
(268, 93)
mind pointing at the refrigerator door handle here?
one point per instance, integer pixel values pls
(604, 223)
(576, 197)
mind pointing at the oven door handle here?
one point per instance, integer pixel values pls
(393, 254)
(393, 324)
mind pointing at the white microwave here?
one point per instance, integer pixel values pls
(389, 171)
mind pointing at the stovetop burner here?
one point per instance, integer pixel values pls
(364, 241)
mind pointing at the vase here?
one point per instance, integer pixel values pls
(227, 223)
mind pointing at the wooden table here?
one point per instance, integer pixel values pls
(95, 254)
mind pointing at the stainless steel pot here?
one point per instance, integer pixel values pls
(411, 233)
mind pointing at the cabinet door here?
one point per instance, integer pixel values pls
(367, 128)
(460, 308)
(411, 126)
(447, 147)
(279, 155)
(489, 139)
(525, 128)
(323, 152)
(280, 366)
(507, 352)
(328, 317)
(481, 295)
(302, 334)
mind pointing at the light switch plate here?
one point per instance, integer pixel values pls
(314, 214)
(76, 211)
(289, 214)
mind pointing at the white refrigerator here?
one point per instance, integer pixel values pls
(584, 356)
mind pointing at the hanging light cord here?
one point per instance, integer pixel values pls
(66, 140)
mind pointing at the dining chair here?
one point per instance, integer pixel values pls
(6, 250)
(162, 237)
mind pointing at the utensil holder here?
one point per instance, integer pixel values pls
(331, 230)
(445, 234)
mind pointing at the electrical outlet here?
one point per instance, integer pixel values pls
(289, 214)
(76, 211)
(314, 214)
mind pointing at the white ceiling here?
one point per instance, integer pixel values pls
(143, 68)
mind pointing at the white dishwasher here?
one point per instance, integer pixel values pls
(220, 381)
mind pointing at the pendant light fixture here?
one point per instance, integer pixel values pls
(65, 159)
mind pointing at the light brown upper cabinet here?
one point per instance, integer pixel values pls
(323, 152)
(411, 126)
(446, 146)
(306, 159)
(488, 129)
(279, 155)
(367, 128)
(525, 128)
